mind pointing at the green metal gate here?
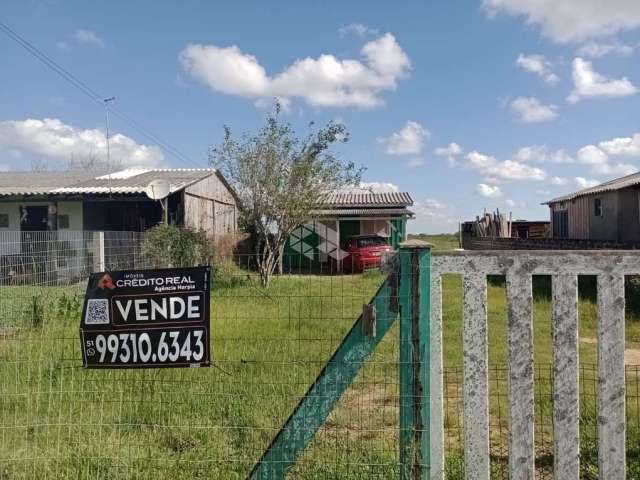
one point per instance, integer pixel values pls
(404, 294)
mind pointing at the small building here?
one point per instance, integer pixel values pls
(530, 229)
(75, 201)
(344, 215)
(609, 211)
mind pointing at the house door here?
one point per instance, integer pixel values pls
(33, 219)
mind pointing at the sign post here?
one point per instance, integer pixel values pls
(147, 319)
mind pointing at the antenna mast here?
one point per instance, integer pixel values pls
(106, 112)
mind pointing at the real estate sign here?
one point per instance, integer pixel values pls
(146, 319)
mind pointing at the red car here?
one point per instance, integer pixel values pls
(365, 251)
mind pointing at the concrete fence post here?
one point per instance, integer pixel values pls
(415, 306)
(102, 264)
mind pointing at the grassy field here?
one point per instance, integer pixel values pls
(443, 241)
(60, 421)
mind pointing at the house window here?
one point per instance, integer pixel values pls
(4, 220)
(597, 207)
(63, 222)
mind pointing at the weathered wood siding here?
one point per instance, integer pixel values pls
(629, 215)
(579, 216)
(604, 227)
(210, 206)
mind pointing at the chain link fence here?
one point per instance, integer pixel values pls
(58, 420)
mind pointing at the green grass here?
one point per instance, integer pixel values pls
(443, 241)
(60, 421)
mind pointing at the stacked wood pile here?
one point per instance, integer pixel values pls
(495, 225)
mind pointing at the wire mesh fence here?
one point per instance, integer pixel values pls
(269, 344)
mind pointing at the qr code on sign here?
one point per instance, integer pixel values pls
(97, 312)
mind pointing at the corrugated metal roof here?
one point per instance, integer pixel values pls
(362, 211)
(125, 181)
(611, 185)
(36, 183)
(393, 199)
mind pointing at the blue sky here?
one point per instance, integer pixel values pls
(539, 97)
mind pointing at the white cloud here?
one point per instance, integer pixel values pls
(600, 49)
(572, 20)
(592, 155)
(325, 81)
(623, 146)
(88, 37)
(415, 162)
(589, 83)
(512, 170)
(540, 154)
(531, 110)
(510, 202)
(379, 187)
(434, 204)
(430, 208)
(451, 152)
(558, 181)
(582, 182)
(409, 140)
(488, 191)
(598, 160)
(618, 170)
(538, 65)
(508, 170)
(357, 29)
(452, 149)
(58, 143)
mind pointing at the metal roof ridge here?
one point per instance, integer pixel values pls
(607, 186)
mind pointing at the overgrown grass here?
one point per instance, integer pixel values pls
(60, 421)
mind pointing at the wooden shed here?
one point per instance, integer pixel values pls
(609, 211)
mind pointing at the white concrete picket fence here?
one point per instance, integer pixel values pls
(610, 267)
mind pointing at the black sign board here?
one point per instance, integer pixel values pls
(146, 319)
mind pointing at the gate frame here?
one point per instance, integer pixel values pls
(407, 292)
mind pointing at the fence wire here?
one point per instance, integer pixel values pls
(268, 345)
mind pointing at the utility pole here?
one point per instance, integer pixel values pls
(106, 112)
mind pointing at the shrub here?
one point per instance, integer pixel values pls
(226, 273)
(172, 246)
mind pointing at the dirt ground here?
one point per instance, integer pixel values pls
(631, 351)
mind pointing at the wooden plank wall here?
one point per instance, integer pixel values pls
(578, 211)
(579, 217)
(210, 206)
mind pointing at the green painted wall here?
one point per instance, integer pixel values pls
(301, 249)
(298, 250)
(348, 228)
(397, 232)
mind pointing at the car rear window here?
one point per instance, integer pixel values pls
(371, 242)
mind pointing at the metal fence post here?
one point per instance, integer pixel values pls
(415, 305)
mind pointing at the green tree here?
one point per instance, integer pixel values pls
(280, 178)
